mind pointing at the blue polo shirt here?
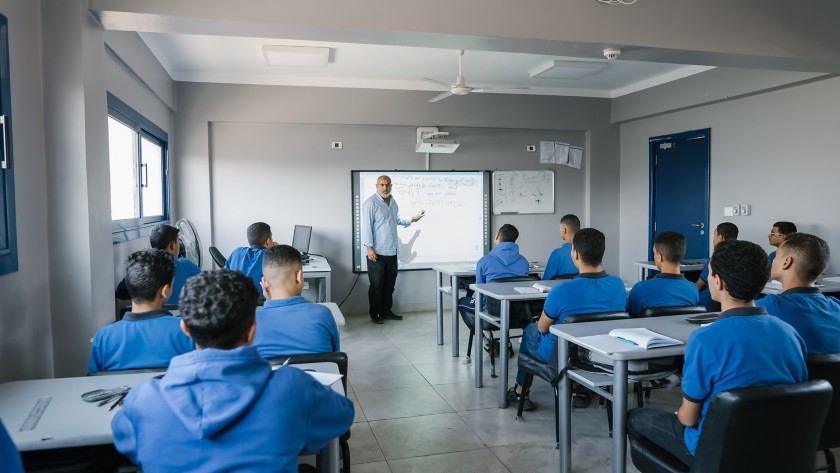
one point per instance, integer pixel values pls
(705, 294)
(587, 293)
(294, 327)
(9, 456)
(815, 317)
(771, 257)
(663, 290)
(560, 262)
(248, 261)
(184, 269)
(744, 348)
(140, 340)
(380, 222)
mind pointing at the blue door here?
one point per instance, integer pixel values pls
(679, 189)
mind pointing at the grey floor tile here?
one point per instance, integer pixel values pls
(386, 377)
(375, 357)
(363, 445)
(433, 353)
(542, 457)
(359, 412)
(498, 427)
(404, 402)
(424, 435)
(446, 372)
(473, 461)
(378, 467)
(466, 397)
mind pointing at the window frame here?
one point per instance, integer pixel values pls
(9, 257)
(132, 228)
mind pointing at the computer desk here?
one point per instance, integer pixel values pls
(319, 268)
(830, 285)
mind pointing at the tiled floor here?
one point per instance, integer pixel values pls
(417, 409)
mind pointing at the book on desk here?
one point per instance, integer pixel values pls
(535, 288)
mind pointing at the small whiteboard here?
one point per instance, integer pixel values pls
(523, 192)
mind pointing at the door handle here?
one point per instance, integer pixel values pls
(701, 225)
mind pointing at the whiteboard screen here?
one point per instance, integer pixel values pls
(523, 192)
(456, 227)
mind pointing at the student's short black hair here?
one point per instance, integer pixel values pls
(743, 266)
(571, 222)
(785, 227)
(281, 256)
(508, 233)
(162, 235)
(218, 307)
(590, 244)
(671, 245)
(810, 252)
(146, 271)
(258, 233)
(728, 230)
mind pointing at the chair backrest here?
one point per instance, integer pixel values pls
(563, 276)
(337, 357)
(218, 257)
(662, 311)
(827, 367)
(767, 428)
(128, 371)
(521, 312)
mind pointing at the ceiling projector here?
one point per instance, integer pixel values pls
(435, 145)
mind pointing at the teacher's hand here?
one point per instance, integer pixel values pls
(371, 254)
(418, 216)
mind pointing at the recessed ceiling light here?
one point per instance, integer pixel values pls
(300, 56)
(567, 69)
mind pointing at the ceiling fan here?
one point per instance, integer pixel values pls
(460, 86)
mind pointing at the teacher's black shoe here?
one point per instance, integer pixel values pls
(392, 316)
(376, 319)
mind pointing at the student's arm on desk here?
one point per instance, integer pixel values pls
(701, 284)
(545, 323)
(329, 415)
(125, 437)
(689, 413)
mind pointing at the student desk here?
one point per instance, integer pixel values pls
(645, 267)
(455, 271)
(674, 326)
(318, 268)
(67, 421)
(828, 286)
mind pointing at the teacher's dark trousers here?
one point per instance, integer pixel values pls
(383, 277)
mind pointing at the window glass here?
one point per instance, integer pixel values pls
(152, 179)
(122, 147)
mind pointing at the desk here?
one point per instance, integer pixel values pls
(673, 326)
(68, 422)
(336, 312)
(318, 268)
(829, 285)
(645, 267)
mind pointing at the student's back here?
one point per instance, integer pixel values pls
(560, 263)
(663, 290)
(248, 261)
(503, 261)
(184, 269)
(814, 316)
(293, 326)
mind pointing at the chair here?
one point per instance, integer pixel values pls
(340, 359)
(563, 276)
(127, 371)
(528, 310)
(827, 367)
(218, 257)
(769, 429)
(549, 371)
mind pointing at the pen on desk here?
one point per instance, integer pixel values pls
(627, 341)
(118, 401)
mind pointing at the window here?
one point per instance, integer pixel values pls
(139, 171)
(8, 229)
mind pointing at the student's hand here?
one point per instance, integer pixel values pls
(371, 253)
(418, 216)
(266, 290)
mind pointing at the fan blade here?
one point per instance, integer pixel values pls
(490, 89)
(436, 82)
(440, 97)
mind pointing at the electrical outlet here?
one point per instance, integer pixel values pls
(305, 285)
(745, 209)
(531, 148)
(337, 145)
(728, 211)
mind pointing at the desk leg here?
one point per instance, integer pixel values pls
(439, 306)
(330, 462)
(454, 332)
(565, 411)
(619, 448)
(641, 273)
(328, 287)
(503, 355)
(478, 358)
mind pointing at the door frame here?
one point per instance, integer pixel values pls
(652, 142)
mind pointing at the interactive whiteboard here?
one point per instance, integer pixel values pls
(523, 192)
(456, 226)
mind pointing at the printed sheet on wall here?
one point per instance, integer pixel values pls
(523, 192)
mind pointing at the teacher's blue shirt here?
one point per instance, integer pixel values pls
(380, 222)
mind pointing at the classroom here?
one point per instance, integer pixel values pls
(246, 150)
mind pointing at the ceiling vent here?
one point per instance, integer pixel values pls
(567, 69)
(296, 56)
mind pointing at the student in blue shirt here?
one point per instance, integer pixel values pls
(669, 288)
(221, 407)
(148, 336)
(560, 261)
(248, 260)
(777, 235)
(724, 231)
(591, 291)
(746, 347)
(800, 260)
(9, 457)
(287, 324)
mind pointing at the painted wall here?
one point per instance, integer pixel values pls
(775, 151)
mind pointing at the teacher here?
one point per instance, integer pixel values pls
(380, 218)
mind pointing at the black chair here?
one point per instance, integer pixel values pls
(340, 359)
(127, 371)
(768, 429)
(563, 276)
(663, 311)
(521, 314)
(827, 367)
(218, 257)
(549, 371)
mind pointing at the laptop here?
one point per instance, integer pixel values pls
(300, 241)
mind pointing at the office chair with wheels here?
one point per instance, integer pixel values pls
(827, 367)
(768, 428)
(218, 257)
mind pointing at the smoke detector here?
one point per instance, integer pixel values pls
(612, 53)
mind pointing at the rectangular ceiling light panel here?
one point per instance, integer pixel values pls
(567, 69)
(299, 56)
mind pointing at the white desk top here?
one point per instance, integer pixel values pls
(468, 268)
(826, 285)
(316, 264)
(687, 265)
(336, 312)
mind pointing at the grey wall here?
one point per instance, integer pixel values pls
(776, 151)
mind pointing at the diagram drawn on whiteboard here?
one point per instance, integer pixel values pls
(524, 192)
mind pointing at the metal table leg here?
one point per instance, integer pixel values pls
(619, 447)
(565, 408)
(454, 334)
(439, 307)
(503, 355)
(478, 359)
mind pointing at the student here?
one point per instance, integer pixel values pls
(744, 348)
(777, 235)
(800, 260)
(9, 457)
(287, 324)
(724, 231)
(165, 237)
(669, 288)
(148, 336)
(591, 291)
(560, 261)
(221, 407)
(248, 260)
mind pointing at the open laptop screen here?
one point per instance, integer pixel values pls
(300, 239)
